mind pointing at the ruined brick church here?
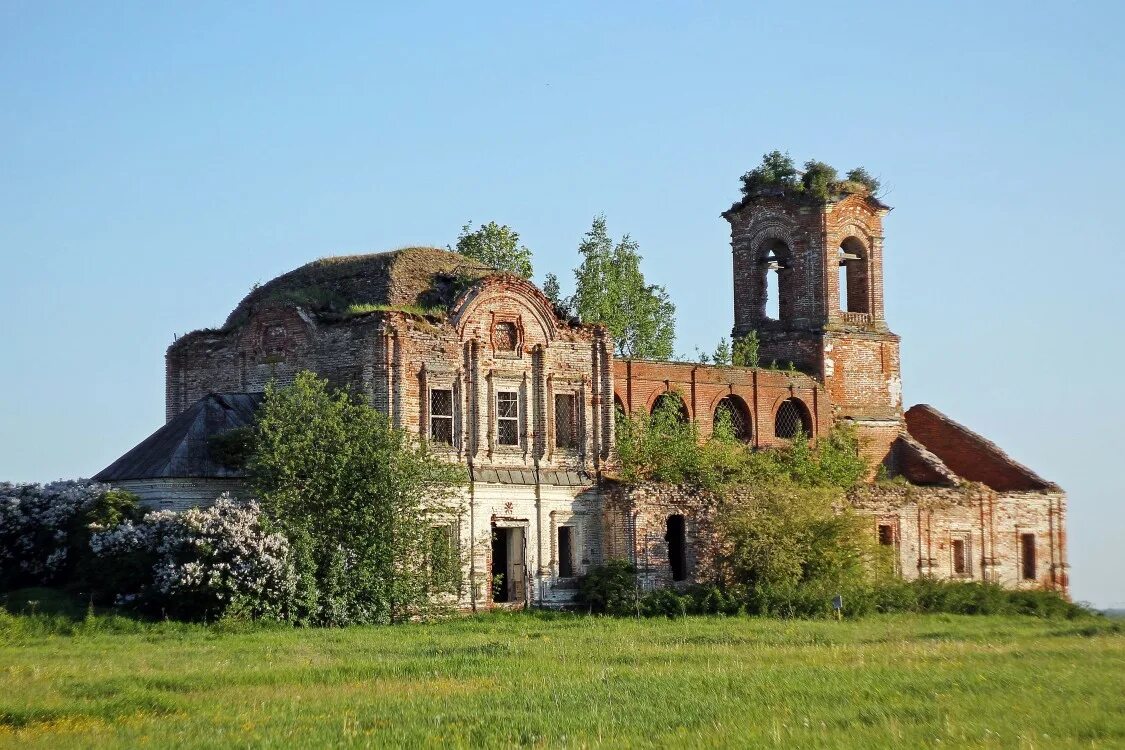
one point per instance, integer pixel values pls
(481, 366)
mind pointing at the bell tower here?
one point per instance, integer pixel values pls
(808, 279)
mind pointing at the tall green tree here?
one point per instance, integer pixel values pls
(356, 497)
(552, 290)
(611, 289)
(496, 245)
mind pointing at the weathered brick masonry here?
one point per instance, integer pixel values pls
(482, 366)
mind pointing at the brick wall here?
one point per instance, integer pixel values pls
(990, 524)
(970, 455)
(924, 523)
(851, 352)
(639, 383)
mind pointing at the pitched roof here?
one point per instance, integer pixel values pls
(970, 455)
(181, 447)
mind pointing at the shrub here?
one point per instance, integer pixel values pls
(819, 179)
(359, 498)
(610, 588)
(661, 447)
(863, 177)
(775, 171)
(232, 448)
(780, 537)
(45, 529)
(202, 564)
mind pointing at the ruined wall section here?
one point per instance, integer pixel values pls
(851, 351)
(637, 530)
(991, 527)
(968, 532)
(969, 454)
(759, 392)
(274, 344)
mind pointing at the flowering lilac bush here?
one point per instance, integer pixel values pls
(203, 563)
(44, 529)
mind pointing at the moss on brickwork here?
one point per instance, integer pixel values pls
(420, 280)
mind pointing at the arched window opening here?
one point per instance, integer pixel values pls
(676, 536)
(777, 262)
(792, 418)
(618, 407)
(731, 414)
(671, 402)
(854, 288)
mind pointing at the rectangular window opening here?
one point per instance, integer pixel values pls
(566, 421)
(886, 534)
(676, 537)
(507, 418)
(1027, 558)
(441, 416)
(960, 557)
(566, 552)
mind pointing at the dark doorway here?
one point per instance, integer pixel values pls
(677, 547)
(566, 552)
(1027, 542)
(509, 567)
(501, 586)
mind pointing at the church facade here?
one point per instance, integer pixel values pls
(482, 366)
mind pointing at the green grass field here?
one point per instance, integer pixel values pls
(542, 680)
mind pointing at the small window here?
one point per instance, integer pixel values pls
(505, 337)
(792, 418)
(441, 416)
(732, 415)
(960, 557)
(886, 535)
(670, 404)
(275, 339)
(507, 418)
(1027, 558)
(566, 421)
(566, 552)
(676, 537)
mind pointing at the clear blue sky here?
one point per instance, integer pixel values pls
(156, 160)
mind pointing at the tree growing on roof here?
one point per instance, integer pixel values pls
(496, 245)
(611, 289)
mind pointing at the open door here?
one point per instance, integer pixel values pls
(517, 562)
(509, 565)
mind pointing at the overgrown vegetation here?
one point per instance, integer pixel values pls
(786, 530)
(611, 289)
(744, 352)
(664, 447)
(353, 527)
(419, 310)
(612, 589)
(45, 530)
(356, 498)
(496, 245)
(818, 180)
